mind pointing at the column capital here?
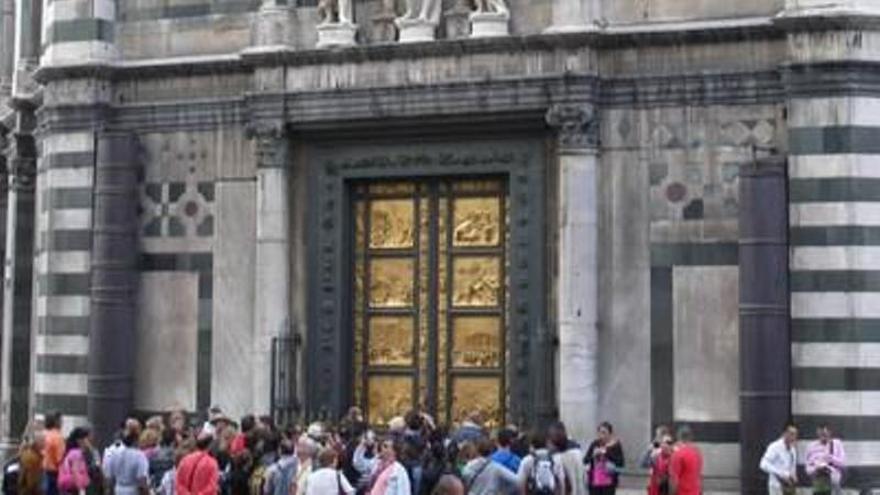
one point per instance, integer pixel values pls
(271, 143)
(576, 124)
(21, 161)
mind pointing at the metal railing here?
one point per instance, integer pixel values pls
(286, 404)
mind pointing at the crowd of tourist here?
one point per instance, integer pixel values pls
(166, 455)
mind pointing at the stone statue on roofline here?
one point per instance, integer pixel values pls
(491, 18)
(335, 12)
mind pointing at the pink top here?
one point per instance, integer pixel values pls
(830, 454)
(73, 474)
(381, 484)
(600, 474)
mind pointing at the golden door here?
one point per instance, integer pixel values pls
(429, 302)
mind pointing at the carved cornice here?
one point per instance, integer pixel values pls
(577, 126)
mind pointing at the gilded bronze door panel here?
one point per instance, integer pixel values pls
(430, 291)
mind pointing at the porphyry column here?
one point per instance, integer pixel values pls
(765, 360)
(577, 310)
(114, 265)
(272, 291)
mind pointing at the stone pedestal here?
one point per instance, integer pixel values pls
(336, 35)
(489, 24)
(416, 30)
(578, 267)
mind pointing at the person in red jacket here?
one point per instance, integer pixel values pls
(198, 472)
(686, 466)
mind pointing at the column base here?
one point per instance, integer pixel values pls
(489, 24)
(416, 30)
(336, 35)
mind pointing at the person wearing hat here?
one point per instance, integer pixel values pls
(217, 422)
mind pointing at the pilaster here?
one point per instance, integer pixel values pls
(576, 126)
(272, 280)
(833, 131)
(17, 287)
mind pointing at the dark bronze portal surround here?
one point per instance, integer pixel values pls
(528, 358)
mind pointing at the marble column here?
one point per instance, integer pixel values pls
(113, 284)
(272, 280)
(577, 311)
(17, 286)
(575, 16)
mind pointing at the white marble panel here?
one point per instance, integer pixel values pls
(835, 403)
(835, 305)
(64, 262)
(69, 177)
(71, 142)
(63, 306)
(68, 423)
(166, 341)
(72, 219)
(78, 52)
(231, 379)
(720, 459)
(833, 166)
(706, 339)
(61, 383)
(836, 355)
(865, 214)
(62, 345)
(836, 258)
(66, 10)
(840, 111)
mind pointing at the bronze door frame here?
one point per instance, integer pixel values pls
(333, 167)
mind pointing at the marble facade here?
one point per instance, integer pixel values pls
(248, 120)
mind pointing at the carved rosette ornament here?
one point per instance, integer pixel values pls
(577, 126)
(271, 145)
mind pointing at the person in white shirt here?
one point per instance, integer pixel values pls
(327, 479)
(780, 463)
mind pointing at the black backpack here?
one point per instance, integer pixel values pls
(11, 471)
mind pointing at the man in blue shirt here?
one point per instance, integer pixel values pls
(502, 454)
